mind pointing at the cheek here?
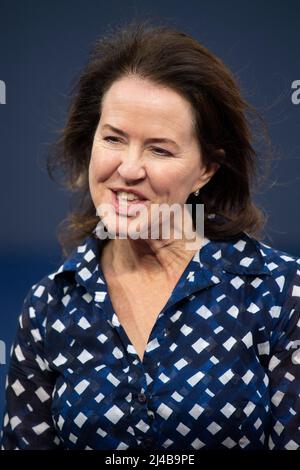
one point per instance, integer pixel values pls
(175, 179)
(187, 175)
(101, 166)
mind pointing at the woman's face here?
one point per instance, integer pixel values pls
(144, 142)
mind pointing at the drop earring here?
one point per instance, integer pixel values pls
(196, 193)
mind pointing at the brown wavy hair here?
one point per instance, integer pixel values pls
(222, 117)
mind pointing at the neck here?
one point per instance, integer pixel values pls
(148, 258)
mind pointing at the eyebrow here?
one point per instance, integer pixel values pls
(151, 140)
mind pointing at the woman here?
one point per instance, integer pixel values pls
(143, 343)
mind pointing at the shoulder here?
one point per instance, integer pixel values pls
(284, 269)
(41, 298)
(276, 259)
(265, 272)
(277, 278)
(53, 289)
(266, 279)
(245, 254)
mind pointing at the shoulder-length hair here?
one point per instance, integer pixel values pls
(172, 58)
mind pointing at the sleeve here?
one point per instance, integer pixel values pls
(284, 374)
(27, 422)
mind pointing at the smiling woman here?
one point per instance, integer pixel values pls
(141, 343)
(126, 163)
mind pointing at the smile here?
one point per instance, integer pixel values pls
(123, 202)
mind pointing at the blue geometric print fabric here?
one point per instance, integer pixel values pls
(221, 369)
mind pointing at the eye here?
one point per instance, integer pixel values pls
(162, 152)
(112, 139)
(159, 151)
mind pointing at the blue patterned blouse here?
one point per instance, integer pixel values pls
(221, 368)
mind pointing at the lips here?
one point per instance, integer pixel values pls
(137, 193)
(124, 207)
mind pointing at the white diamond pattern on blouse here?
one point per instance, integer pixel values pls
(229, 343)
(40, 428)
(180, 364)
(224, 378)
(39, 291)
(114, 414)
(228, 410)
(83, 323)
(253, 308)
(246, 261)
(200, 345)
(233, 311)
(58, 326)
(195, 378)
(247, 377)
(60, 360)
(81, 386)
(17, 387)
(240, 245)
(213, 428)
(19, 354)
(177, 397)
(142, 426)
(164, 411)
(85, 274)
(80, 419)
(237, 282)
(42, 394)
(84, 356)
(229, 443)
(89, 256)
(204, 312)
(183, 429)
(296, 291)
(197, 444)
(196, 411)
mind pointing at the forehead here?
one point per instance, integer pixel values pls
(137, 100)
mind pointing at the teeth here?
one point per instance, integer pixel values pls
(126, 196)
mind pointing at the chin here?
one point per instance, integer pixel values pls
(125, 228)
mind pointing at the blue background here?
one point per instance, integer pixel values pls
(44, 45)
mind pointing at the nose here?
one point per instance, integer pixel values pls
(132, 167)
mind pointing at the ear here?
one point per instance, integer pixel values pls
(207, 173)
(209, 170)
